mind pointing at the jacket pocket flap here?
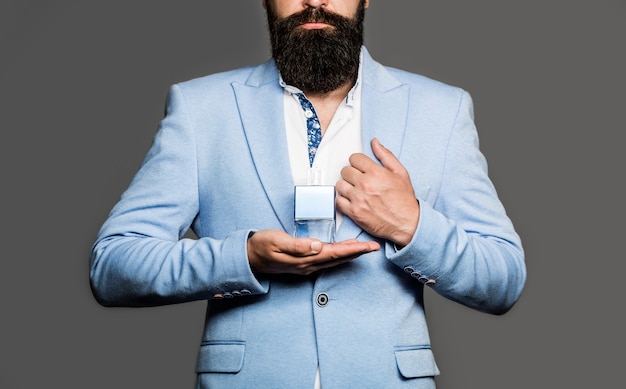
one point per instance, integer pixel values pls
(414, 363)
(221, 357)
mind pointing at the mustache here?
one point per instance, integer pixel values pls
(314, 15)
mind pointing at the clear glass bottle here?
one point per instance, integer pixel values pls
(315, 212)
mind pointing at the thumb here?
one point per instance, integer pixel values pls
(305, 246)
(386, 157)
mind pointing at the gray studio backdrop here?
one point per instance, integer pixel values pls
(82, 89)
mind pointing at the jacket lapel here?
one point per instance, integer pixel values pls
(385, 104)
(260, 105)
(384, 109)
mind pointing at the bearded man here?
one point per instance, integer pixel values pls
(414, 207)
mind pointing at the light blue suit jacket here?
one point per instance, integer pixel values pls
(219, 163)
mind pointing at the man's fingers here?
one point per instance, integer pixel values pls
(353, 247)
(345, 250)
(362, 163)
(386, 157)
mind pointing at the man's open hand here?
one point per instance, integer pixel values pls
(274, 251)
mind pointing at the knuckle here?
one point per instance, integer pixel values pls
(359, 211)
(369, 186)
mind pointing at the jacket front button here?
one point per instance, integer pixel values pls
(322, 299)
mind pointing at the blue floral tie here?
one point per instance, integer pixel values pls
(313, 127)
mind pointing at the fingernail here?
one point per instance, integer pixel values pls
(316, 246)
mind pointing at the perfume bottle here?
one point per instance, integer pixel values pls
(315, 212)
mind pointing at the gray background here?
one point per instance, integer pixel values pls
(82, 88)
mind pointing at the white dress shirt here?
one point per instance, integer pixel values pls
(341, 139)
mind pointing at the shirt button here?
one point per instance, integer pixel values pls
(416, 275)
(228, 295)
(408, 269)
(321, 299)
(245, 292)
(218, 296)
(236, 293)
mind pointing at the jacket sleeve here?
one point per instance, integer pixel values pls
(465, 246)
(139, 258)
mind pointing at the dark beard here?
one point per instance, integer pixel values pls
(320, 60)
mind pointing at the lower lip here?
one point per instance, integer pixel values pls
(314, 26)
